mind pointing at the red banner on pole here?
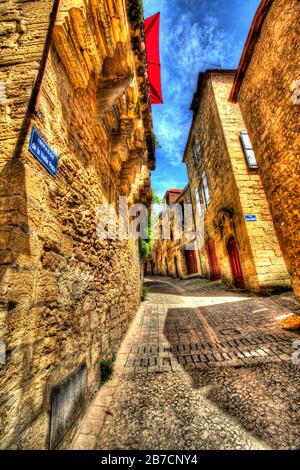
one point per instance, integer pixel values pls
(152, 49)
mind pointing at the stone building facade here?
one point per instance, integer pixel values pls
(267, 88)
(240, 245)
(176, 253)
(75, 71)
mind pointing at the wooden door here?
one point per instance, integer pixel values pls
(176, 267)
(215, 273)
(191, 262)
(235, 264)
(166, 268)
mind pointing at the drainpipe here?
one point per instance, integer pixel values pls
(194, 220)
(35, 96)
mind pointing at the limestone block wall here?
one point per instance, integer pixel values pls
(273, 122)
(223, 191)
(67, 297)
(22, 38)
(269, 263)
(234, 190)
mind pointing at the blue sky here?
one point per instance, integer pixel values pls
(195, 35)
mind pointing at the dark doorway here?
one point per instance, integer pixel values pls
(166, 267)
(191, 262)
(176, 267)
(235, 264)
(151, 268)
(215, 273)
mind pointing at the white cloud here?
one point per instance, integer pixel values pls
(192, 40)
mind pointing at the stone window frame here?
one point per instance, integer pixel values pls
(248, 150)
(181, 203)
(205, 189)
(196, 150)
(198, 200)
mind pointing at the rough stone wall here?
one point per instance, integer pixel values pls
(66, 296)
(273, 122)
(270, 266)
(234, 190)
(22, 38)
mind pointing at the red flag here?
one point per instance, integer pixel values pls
(152, 49)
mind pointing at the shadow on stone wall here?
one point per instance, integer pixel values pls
(261, 396)
(15, 244)
(14, 217)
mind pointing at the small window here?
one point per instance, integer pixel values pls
(248, 150)
(182, 214)
(196, 150)
(206, 194)
(198, 202)
(171, 234)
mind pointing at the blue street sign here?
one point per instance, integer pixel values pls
(250, 218)
(41, 150)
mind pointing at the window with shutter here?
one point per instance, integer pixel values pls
(248, 150)
(198, 202)
(196, 150)
(206, 193)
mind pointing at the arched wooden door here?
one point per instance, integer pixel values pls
(191, 262)
(235, 263)
(213, 260)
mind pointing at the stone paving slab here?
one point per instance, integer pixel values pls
(182, 334)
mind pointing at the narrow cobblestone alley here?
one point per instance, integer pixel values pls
(202, 367)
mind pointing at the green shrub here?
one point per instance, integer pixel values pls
(106, 368)
(144, 293)
(144, 248)
(135, 12)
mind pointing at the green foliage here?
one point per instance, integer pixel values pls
(144, 248)
(145, 242)
(144, 293)
(136, 13)
(106, 368)
(156, 199)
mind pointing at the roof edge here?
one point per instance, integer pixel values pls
(195, 102)
(249, 47)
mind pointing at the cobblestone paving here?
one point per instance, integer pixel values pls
(202, 367)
